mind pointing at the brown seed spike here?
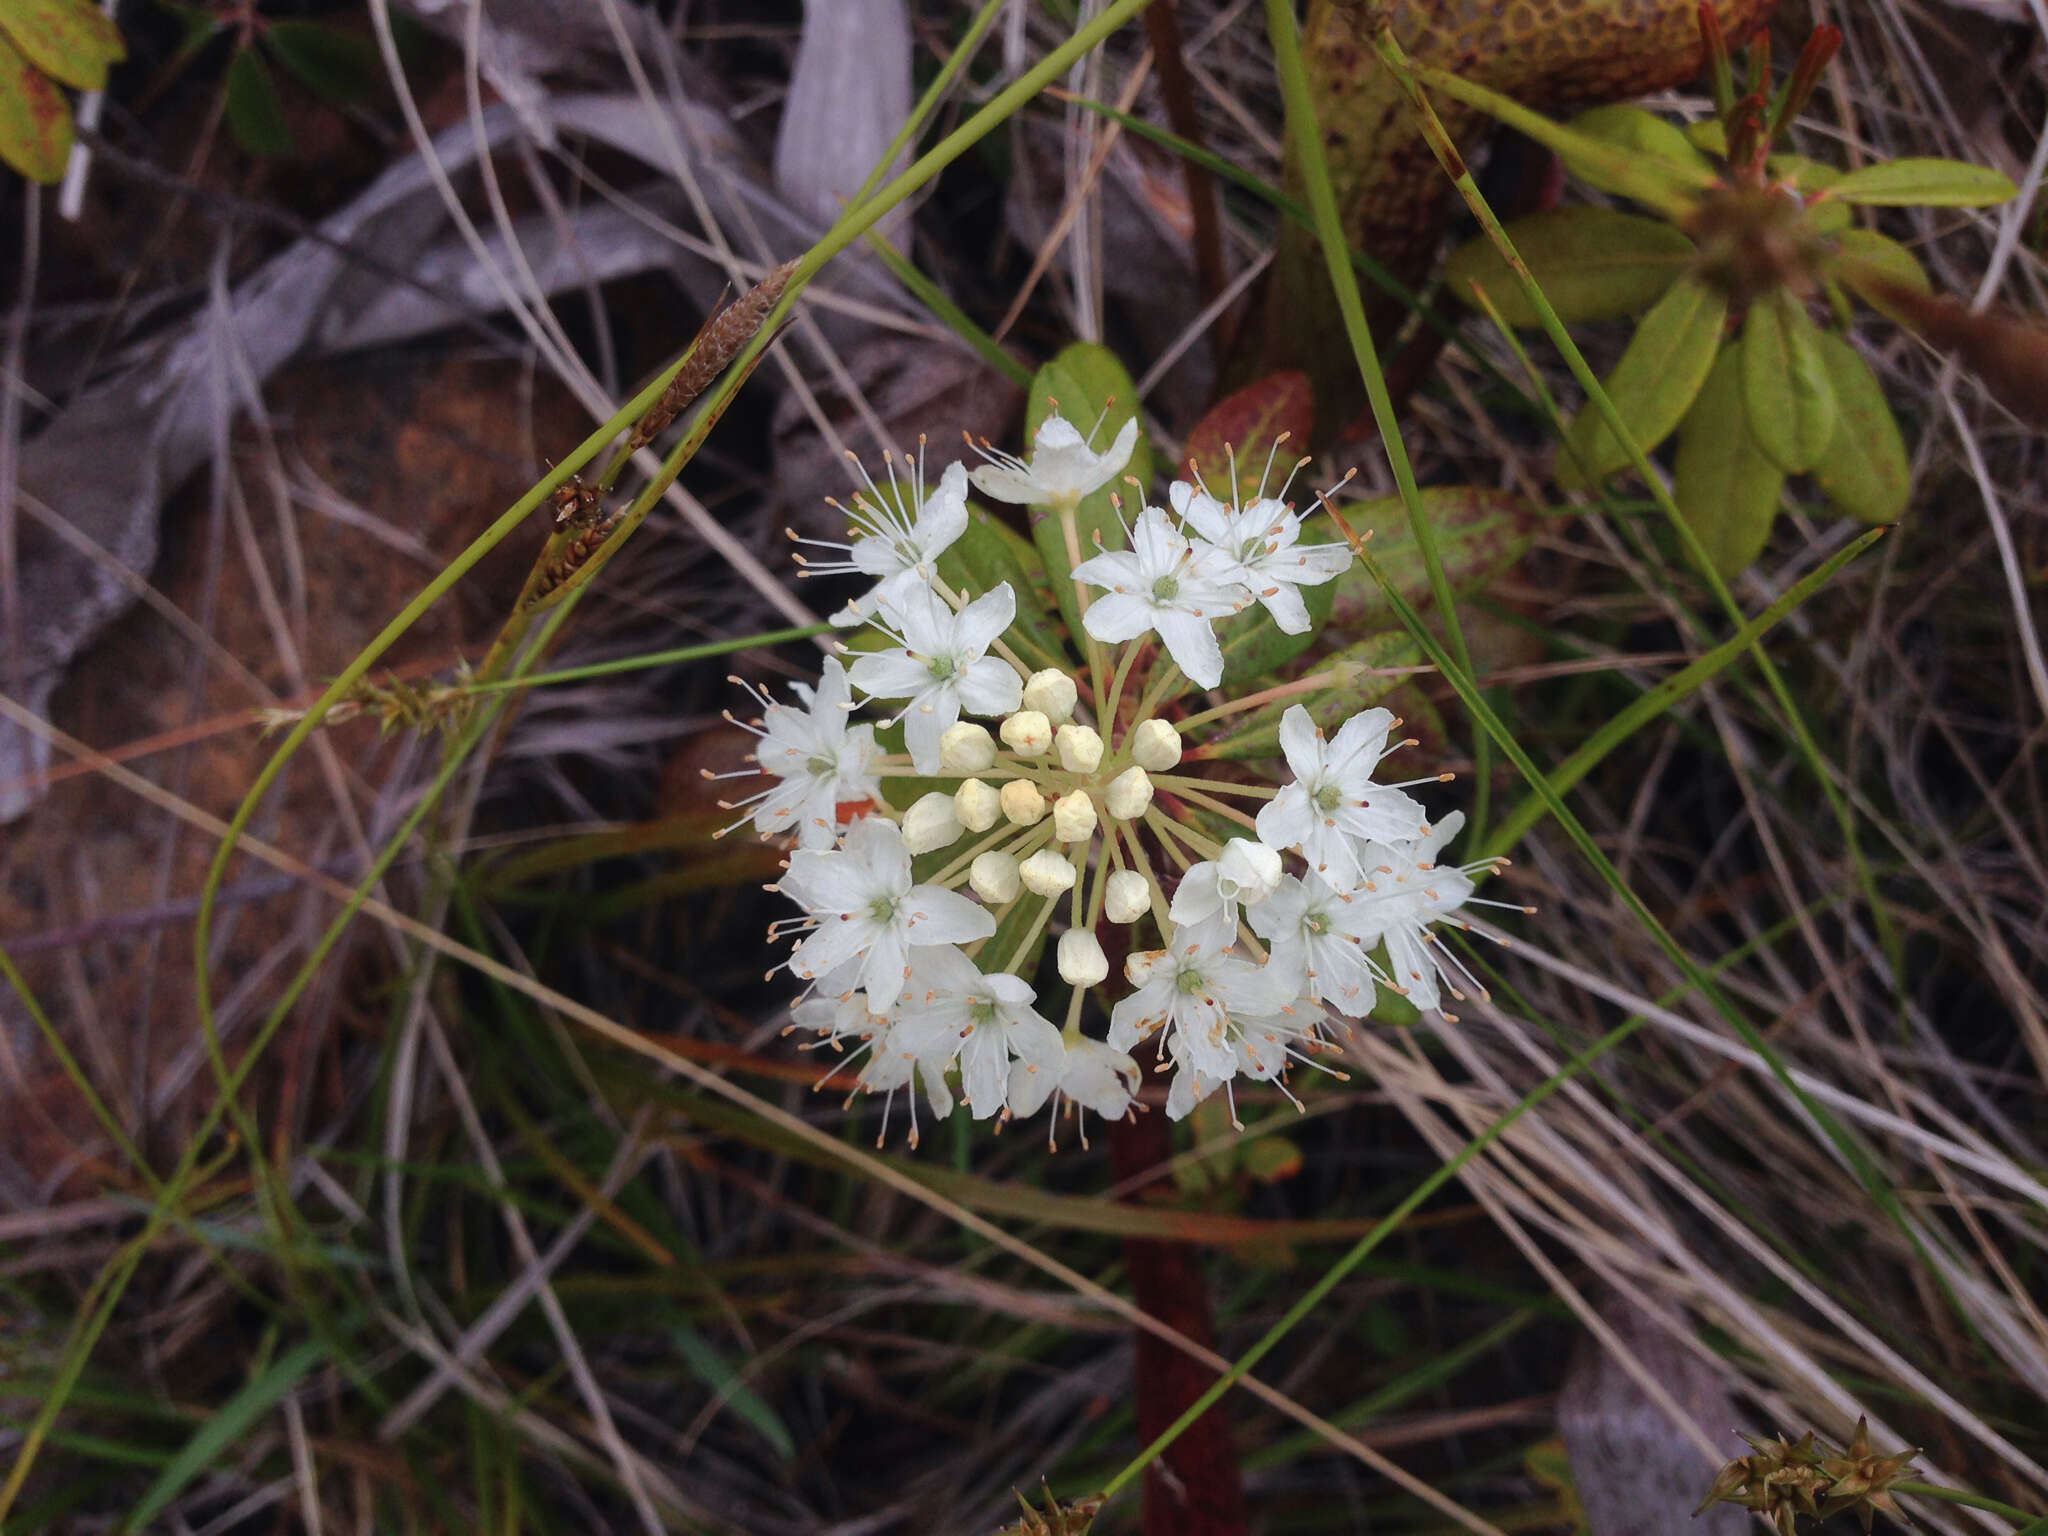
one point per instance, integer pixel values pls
(717, 344)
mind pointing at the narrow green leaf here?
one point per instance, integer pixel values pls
(228, 1424)
(1864, 471)
(710, 1367)
(1868, 263)
(1790, 398)
(988, 553)
(340, 66)
(1637, 133)
(1924, 183)
(1652, 386)
(1479, 533)
(1084, 379)
(1726, 485)
(35, 119)
(72, 41)
(254, 112)
(1591, 263)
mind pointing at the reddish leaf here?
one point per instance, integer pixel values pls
(1250, 421)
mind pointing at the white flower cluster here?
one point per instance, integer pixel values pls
(1075, 816)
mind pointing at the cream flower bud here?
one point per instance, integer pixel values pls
(977, 805)
(1155, 745)
(1128, 795)
(1252, 867)
(1027, 733)
(1022, 802)
(993, 876)
(1082, 962)
(1079, 747)
(1052, 694)
(1139, 965)
(930, 823)
(1073, 817)
(1128, 896)
(965, 747)
(1047, 873)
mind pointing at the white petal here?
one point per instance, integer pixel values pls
(1191, 642)
(1300, 742)
(1287, 818)
(891, 674)
(1290, 613)
(1004, 483)
(1117, 616)
(979, 624)
(989, 686)
(940, 916)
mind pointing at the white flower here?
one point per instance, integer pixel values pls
(1052, 693)
(1026, 733)
(1155, 745)
(955, 1010)
(1093, 1077)
(1079, 748)
(1046, 873)
(1128, 896)
(1321, 941)
(1400, 909)
(994, 877)
(1128, 794)
(1073, 817)
(1162, 583)
(822, 760)
(930, 823)
(1210, 893)
(897, 538)
(889, 1067)
(1081, 960)
(942, 666)
(863, 908)
(1062, 468)
(1023, 802)
(965, 747)
(1190, 993)
(977, 805)
(1333, 804)
(1257, 543)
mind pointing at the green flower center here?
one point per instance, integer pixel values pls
(1327, 798)
(1316, 923)
(1251, 548)
(941, 667)
(1191, 983)
(1166, 589)
(983, 1011)
(820, 766)
(882, 909)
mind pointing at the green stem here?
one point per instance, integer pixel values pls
(1973, 1500)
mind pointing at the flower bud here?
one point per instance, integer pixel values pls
(1022, 802)
(965, 747)
(1047, 873)
(993, 876)
(1140, 963)
(1052, 694)
(1080, 748)
(1082, 962)
(1073, 817)
(1253, 868)
(1128, 896)
(977, 805)
(1155, 745)
(1027, 733)
(930, 823)
(1128, 795)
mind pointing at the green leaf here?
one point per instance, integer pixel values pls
(1924, 183)
(1358, 681)
(1868, 263)
(1640, 135)
(1652, 386)
(35, 119)
(1827, 215)
(1254, 647)
(337, 65)
(1864, 471)
(254, 112)
(1785, 384)
(223, 1428)
(1669, 186)
(710, 1367)
(72, 41)
(1479, 533)
(1244, 427)
(988, 553)
(1083, 379)
(1591, 263)
(1724, 482)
